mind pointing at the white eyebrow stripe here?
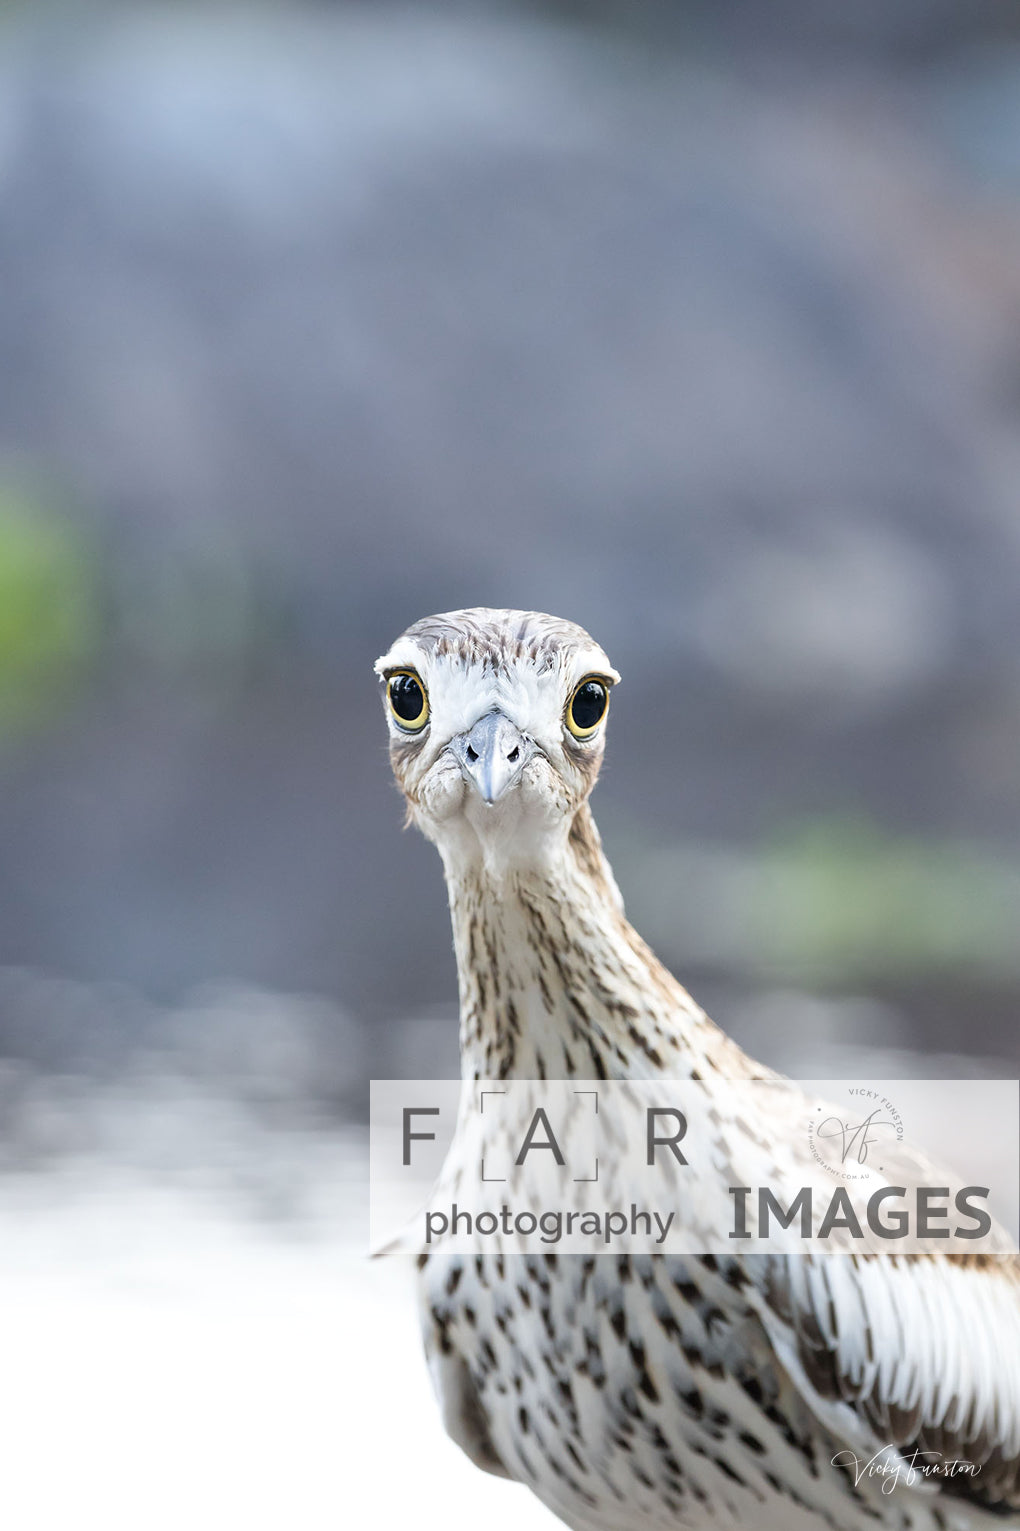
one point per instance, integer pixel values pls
(592, 662)
(404, 654)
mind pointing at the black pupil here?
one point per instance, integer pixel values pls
(589, 704)
(406, 698)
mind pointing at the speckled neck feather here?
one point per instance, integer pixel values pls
(554, 982)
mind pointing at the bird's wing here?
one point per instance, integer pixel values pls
(917, 1352)
(461, 1408)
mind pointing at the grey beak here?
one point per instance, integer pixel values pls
(492, 755)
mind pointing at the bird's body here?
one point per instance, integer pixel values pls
(646, 1391)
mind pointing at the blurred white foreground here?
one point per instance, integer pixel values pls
(171, 1362)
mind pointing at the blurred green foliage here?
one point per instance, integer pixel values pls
(841, 898)
(829, 901)
(50, 617)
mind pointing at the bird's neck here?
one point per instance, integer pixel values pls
(554, 983)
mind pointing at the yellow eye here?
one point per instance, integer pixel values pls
(408, 702)
(587, 707)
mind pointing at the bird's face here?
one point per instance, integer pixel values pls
(497, 726)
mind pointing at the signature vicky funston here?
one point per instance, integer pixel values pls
(854, 1138)
(842, 1146)
(896, 1467)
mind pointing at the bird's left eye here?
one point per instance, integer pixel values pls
(408, 702)
(587, 708)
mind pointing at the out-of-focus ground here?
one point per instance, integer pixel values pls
(169, 1363)
(697, 324)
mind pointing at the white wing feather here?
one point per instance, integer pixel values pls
(907, 1352)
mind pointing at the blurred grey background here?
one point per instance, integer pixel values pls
(698, 323)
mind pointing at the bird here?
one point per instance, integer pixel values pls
(633, 1392)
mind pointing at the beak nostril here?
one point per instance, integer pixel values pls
(492, 754)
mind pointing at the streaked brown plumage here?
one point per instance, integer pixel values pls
(654, 1391)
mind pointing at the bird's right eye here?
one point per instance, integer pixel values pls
(408, 702)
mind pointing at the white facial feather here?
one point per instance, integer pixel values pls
(521, 664)
(461, 688)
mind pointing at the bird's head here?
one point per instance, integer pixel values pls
(497, 727)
